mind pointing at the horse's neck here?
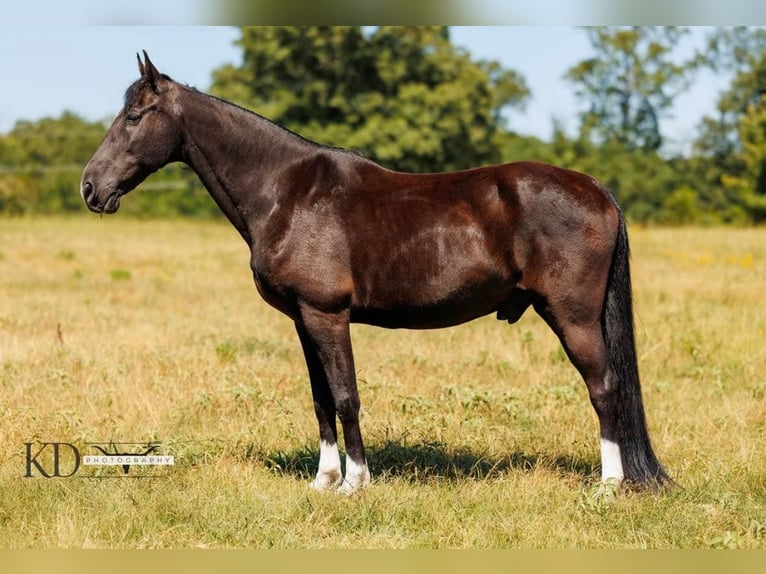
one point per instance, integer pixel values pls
(238, 156)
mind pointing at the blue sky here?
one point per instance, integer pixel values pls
(86, 69)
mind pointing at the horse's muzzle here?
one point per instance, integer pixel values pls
(91, 199)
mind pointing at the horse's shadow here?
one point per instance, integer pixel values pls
(427, 461)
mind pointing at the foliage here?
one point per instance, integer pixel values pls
(750, 183)
(410, 99)
(404, 95)
(41, 163)
(739, 50)
(628, 84)
(734, 142)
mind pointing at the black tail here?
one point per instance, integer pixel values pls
(639, 462)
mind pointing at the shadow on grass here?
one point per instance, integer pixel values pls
(426, 461)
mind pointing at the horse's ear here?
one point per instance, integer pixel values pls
(141, 68)
(150, 72)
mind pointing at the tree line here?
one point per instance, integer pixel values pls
(412, 100)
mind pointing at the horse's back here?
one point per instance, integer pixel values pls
(531, 182)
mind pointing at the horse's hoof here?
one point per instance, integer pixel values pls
(347, 489)
(608, 490)
(326, 482)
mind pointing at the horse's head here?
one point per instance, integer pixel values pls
(145, 136)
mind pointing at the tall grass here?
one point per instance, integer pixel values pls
(480, 436)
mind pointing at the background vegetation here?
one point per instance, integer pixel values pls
(412, 100)
(479, 436)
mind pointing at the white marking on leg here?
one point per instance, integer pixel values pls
(328, 475)
(357, 476)
(611, 461)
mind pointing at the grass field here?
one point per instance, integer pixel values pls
(480, 436)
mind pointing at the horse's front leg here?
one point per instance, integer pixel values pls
(326, 342)
(329, 475)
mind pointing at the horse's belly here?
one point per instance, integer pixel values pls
(419, 308)
(437, 275)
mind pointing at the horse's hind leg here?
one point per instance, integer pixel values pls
(580, 333)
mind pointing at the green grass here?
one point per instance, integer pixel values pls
(480, 436)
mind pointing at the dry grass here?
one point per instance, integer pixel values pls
(479, 436)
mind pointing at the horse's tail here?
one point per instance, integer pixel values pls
(640, 465)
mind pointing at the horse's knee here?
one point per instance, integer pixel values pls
(347, 409)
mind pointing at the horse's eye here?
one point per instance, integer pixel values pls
(133, 118)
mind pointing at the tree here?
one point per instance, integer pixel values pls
(741, 52)
(67, 140)
(733, 142)
(403, 95)
(750, 183)
(41, 163)
(629, 83)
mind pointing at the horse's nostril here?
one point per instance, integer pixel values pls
(87, 190)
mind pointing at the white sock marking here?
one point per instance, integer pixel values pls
(357, 476)
(328, 475)
(611, 461)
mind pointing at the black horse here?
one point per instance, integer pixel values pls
(335, 238)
